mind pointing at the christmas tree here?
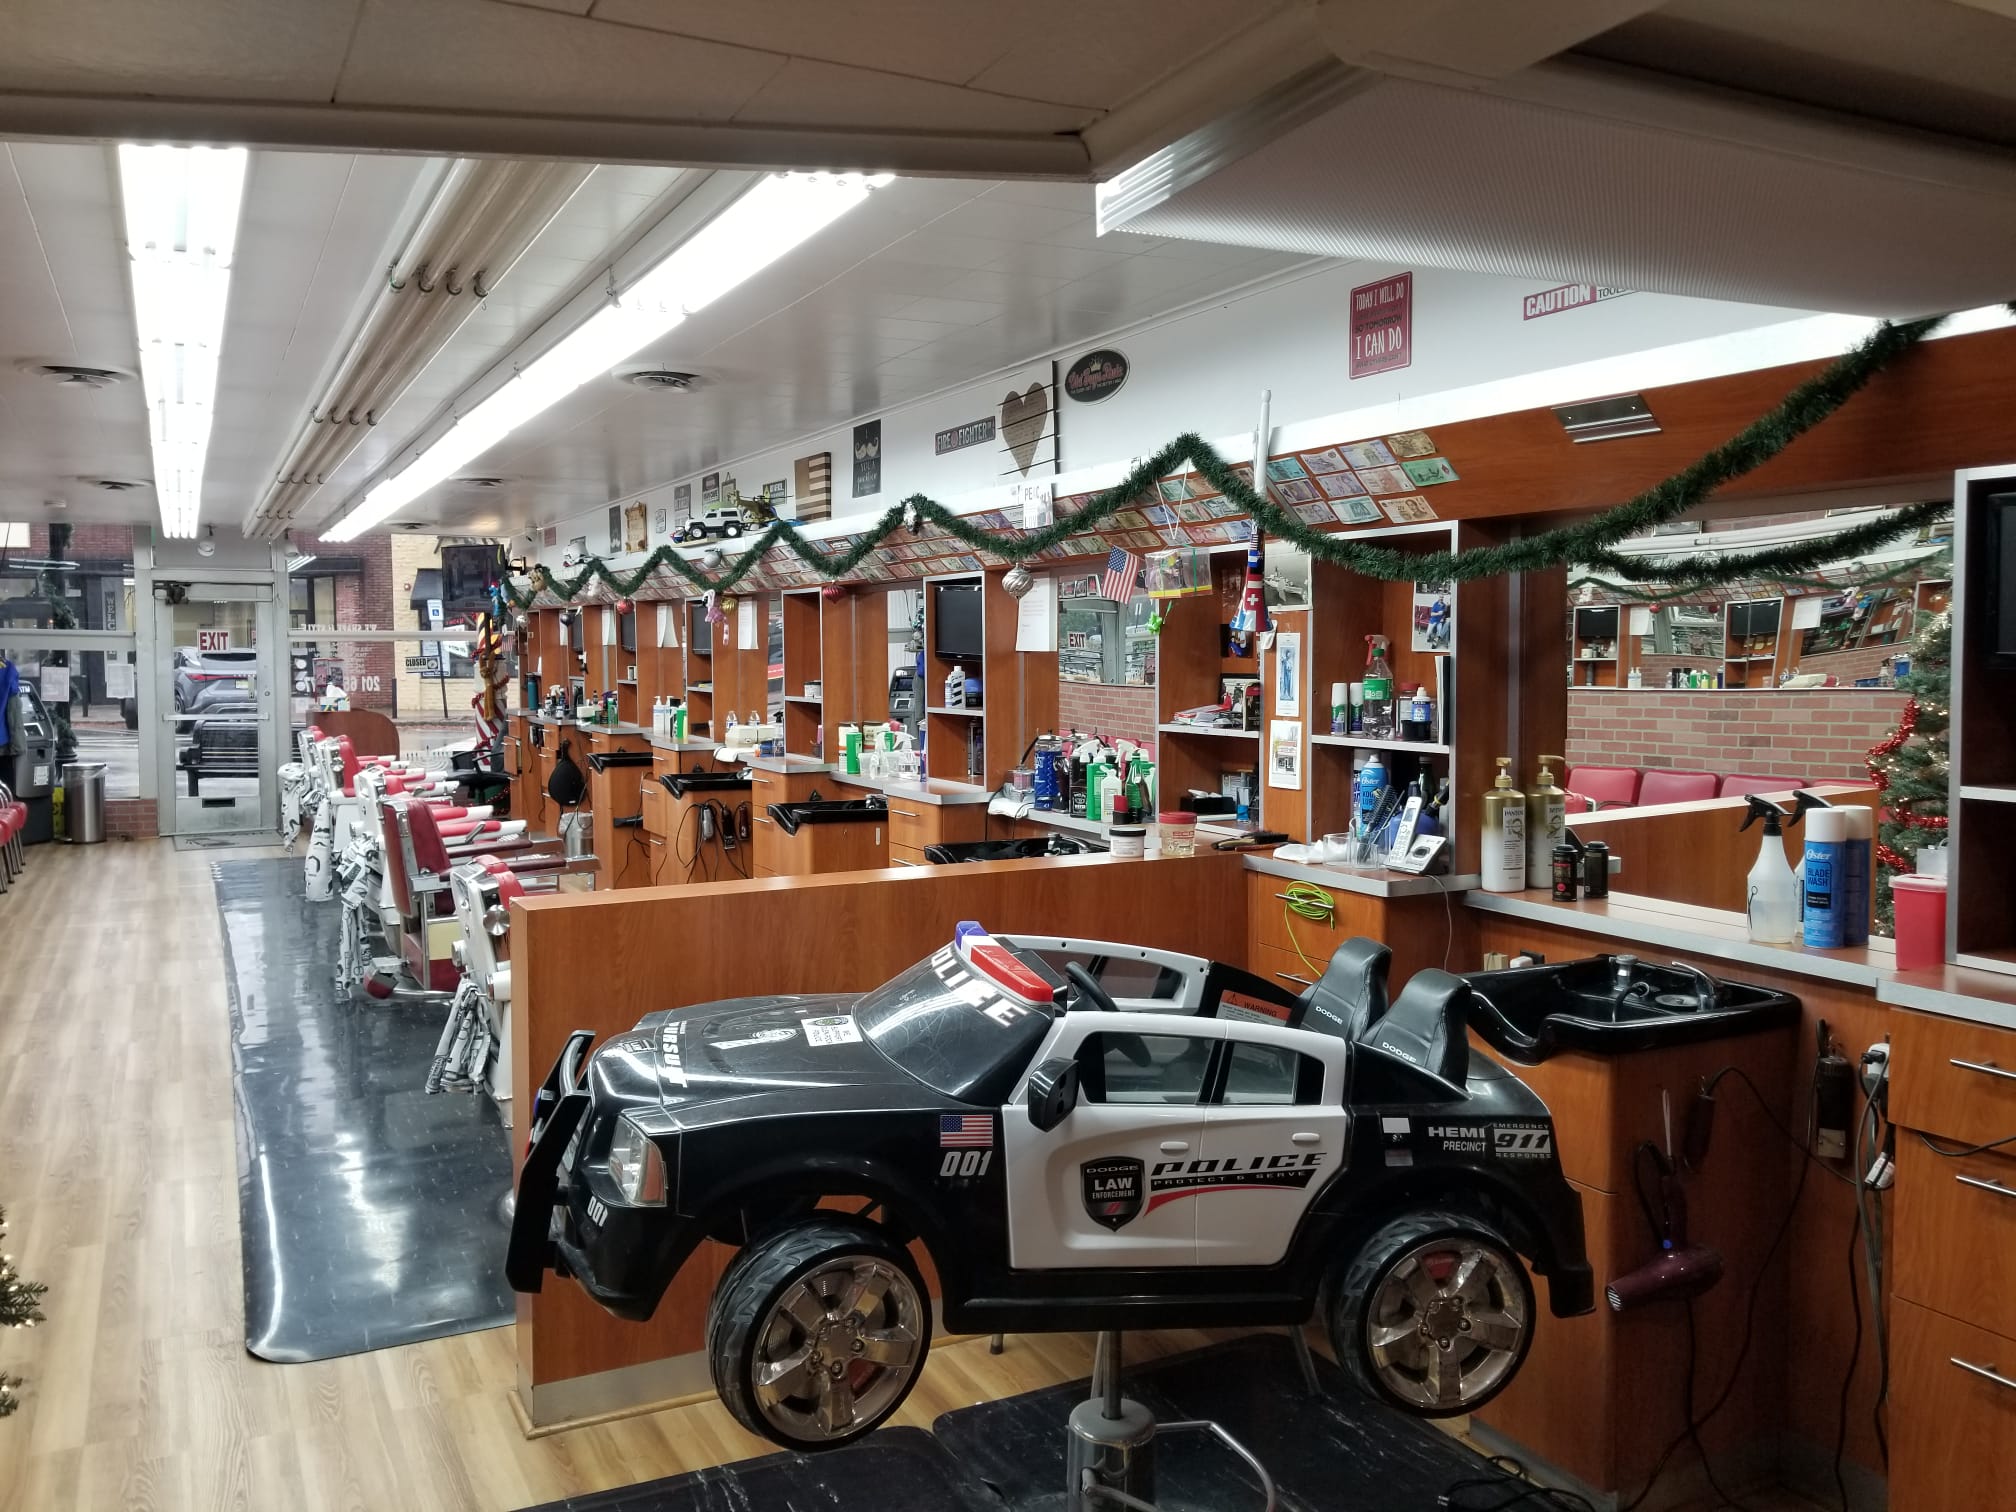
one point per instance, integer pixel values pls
(1909, 765)
(18, 1309)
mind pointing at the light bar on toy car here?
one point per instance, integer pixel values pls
(995, 961)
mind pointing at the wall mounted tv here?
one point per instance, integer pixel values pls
(956, 632)
(626, 630)
(699, 634)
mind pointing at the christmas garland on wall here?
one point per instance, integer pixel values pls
(1587, 542)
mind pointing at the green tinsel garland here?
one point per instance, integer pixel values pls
(1585, 542)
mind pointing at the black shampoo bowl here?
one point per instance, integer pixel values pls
(1611, 1004)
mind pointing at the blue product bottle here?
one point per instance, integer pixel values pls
(1046, 774)
(1825, 887)
(1371, 790)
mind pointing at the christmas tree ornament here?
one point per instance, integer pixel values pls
(1017, 581)
(1250, 619)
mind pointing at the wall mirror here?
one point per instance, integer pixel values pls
(1100, 640)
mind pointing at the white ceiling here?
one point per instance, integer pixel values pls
(932, 283)
(918, 85)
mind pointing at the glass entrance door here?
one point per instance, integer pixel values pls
(218, 767)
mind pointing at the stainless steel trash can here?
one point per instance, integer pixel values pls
(84, 802)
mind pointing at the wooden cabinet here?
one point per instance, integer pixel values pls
(915, 826)
(1953, 1318)
(1952, 1412)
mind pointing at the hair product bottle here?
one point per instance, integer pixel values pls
(1504, 848)
(1546, 820)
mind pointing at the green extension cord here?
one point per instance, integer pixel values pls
(1302, 901)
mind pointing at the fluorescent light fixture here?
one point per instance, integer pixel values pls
(778, 214)
(181, 208)
(296, 563)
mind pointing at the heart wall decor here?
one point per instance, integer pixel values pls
(1027, 419)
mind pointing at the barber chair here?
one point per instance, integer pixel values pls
(13, 849)
(475, 1047)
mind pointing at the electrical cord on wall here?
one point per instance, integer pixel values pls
(1299, 900)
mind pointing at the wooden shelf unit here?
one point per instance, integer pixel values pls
(661, 670)
(1757, 643)
(804, 662)
(1188, 666)
(1018, 691)
(1980, 929)
(1605, 628)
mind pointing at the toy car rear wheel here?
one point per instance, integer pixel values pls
(817, 1332)
(695, 531)
(732, 529)
(1434, 1315)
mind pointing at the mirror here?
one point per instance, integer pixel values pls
(906, 647)
(1851, 628)
(774, 655)
(1053, 1092)
(1100, 641)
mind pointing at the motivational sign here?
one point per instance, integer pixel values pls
(1382, 325)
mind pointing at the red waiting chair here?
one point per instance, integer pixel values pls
(1676, 787)
(1605, 786)
(1736, 785)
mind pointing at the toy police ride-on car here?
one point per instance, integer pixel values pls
(1082, 1136)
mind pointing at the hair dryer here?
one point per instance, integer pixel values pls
(1680, 1269)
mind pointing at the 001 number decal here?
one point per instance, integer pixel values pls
(965, 1163)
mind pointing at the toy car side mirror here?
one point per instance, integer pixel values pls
(1053, 1092)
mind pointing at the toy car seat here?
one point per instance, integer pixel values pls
(1350, 996)
(1426, 1026)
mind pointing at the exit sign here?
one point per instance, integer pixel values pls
(213, 640)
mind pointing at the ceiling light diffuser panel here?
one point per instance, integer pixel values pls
(779, 213)
(181, 209)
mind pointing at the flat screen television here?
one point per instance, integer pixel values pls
(699, 634)
(1754, 620)
(626, 630)
(466, 575)
(1596, 624)
(956, 633)
(1998, 583)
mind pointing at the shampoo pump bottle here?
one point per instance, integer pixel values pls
(1504, 848)
(1773, 896)
(1546, 820)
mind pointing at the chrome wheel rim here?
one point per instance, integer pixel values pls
(837, 1348)
(1448, 1324)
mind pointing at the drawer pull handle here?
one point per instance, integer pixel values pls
(1987, 1184)
(1986, 1068)
(1987, 1372)
(905, 813)
(1289, 976)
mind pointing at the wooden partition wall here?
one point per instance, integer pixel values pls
(602, 961)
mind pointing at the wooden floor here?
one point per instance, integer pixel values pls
(119, 1176)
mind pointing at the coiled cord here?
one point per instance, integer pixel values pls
(1301, 900)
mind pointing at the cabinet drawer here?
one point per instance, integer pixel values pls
(651, 803)
(1955, 1236)
(1952, 1078)
(1285, 969)
(1354, 914)
(918, 825)
(1952, 1413)
(904, 855)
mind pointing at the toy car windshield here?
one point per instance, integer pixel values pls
(966, 1021)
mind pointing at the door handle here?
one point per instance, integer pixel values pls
(1304, 1137)
(1986, 1068)
(1986, 1372)
(1174, 1146)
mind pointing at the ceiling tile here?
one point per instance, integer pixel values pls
(1102, 55)
(901, 36)
(808, 92)
(206, 48)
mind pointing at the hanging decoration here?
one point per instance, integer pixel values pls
(1586, 543)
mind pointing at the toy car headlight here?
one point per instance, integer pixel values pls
(636, 1166)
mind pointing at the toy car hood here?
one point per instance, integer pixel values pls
(791, 1047)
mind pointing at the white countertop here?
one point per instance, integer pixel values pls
(1373, 884)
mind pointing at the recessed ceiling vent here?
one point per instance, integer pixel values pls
(662, 380)
(117, 485)
(77, 375)
(479, 482)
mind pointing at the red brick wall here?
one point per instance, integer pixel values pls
(94, 541)
(130, 819)
(1125, 713)
(365, 600)
(1810, 734)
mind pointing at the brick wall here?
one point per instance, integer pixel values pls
(368, 667)
(420, 698)
(130, 819)
(1123, 712)
(1809, 734)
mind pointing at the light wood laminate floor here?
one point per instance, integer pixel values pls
(119, 1176)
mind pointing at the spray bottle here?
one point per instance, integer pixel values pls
(1546, 820)
(1504, 848)
(1371, 792)
(1772, 898)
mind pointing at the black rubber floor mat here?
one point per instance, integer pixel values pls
(368, 1211)
(1334, 1452)
(896, 1470)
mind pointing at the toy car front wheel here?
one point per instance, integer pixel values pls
(1434, 1315)
(732, 529)
(817, 1332)
(695, 531)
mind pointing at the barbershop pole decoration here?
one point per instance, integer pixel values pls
(1589, 542)
(491, 678)
(1249, 621)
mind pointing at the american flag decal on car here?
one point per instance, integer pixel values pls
(959, 1131)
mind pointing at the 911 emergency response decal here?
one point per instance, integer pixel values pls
(1114, 1193)
(1488, 1141)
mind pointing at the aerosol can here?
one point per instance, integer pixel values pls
(1504, 848)
(1772, 897)
(1546, 820)
(321, 873)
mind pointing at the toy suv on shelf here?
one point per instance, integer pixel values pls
(1081, 1135)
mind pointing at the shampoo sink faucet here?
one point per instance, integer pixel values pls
(1625, 966)
(1707, 995)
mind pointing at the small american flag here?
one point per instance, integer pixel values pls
(1122, 568)
(958, 1131)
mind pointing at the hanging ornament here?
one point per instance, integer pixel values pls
(1251, 618)
(717, 609)
(1017, 581)
(832, 593)
(913, 517)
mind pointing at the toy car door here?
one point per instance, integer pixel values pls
(1275, 1132)
(1078, 1194)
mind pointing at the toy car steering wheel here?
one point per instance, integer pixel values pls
(1100, 998)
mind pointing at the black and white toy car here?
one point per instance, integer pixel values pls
(715, 520)
(1081, 1136)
